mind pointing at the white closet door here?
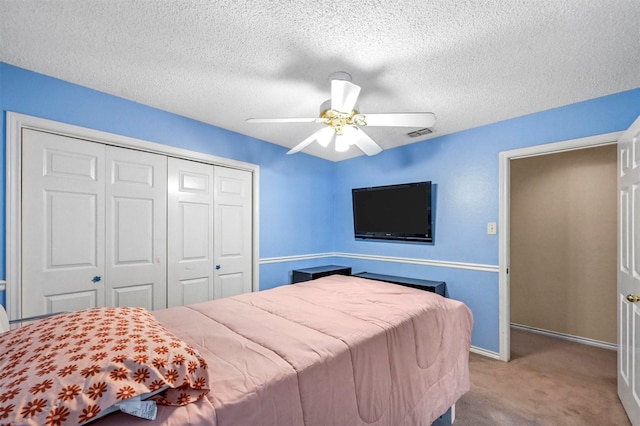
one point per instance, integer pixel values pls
(136, 199)
(190, 232)
(109, 226)
(233, 231)
(62, 223)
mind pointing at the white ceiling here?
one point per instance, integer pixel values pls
(220, 62)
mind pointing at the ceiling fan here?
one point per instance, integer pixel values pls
(344, 121)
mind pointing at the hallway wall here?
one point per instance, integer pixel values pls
(563, 242)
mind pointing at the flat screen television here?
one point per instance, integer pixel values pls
(393, 212)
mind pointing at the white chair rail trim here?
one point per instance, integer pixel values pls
(409, 260)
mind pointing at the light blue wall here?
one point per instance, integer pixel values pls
(305, 202)
(464, 167)
(295, 192)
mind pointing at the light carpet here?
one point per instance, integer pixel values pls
(549, 381)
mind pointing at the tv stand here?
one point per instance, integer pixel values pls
(437, 287)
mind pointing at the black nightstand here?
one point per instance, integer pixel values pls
(308, 274)
(437, 287)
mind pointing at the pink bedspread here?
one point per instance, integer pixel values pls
(335, 351)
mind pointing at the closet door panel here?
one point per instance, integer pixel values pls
(194, 290)
(134, 295)
(72, 301)
(190, 232)
(136, 198)
(233, 230)
(62, 223)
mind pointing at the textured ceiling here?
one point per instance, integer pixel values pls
(220, 62)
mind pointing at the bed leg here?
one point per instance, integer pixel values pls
(447, 418)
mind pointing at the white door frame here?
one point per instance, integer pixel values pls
(504, 302)
(16, 122)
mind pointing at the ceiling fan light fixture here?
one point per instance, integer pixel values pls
(324, 136)
(351, 132)
(342, 143)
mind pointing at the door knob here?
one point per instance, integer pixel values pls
(633, 298)
(217, 267)
(96, 279)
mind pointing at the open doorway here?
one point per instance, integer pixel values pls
(505, 195)
(563, 221)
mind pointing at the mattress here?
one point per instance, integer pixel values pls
(338, 350)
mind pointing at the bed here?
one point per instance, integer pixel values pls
(334, 351)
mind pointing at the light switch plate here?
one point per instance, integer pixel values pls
(492, 228)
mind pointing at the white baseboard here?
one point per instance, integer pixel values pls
(577, 339)
(484, 352)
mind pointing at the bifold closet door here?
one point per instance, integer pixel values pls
(210, 232)
(233, 229)
(136, 218)
(62, 223)
(93, 225)
(190, 232)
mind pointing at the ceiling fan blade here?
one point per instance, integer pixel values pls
(362, 140)
(305, 143)
(401, 119)
(284, 120)
(344, 96)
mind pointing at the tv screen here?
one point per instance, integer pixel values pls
(393, 212)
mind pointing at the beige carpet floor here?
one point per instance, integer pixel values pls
(548, 381)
